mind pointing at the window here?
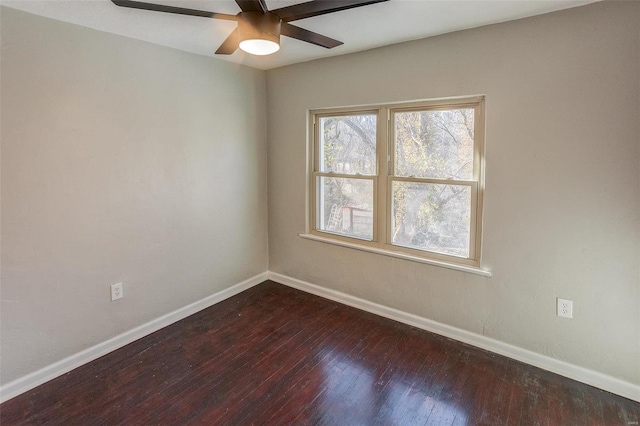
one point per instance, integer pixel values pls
(402, 178)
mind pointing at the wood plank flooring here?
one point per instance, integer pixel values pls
(275, 355)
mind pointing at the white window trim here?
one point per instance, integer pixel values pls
(382, 180)
(398, 255)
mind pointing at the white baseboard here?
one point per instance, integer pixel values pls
(30, 381)
(580, 374)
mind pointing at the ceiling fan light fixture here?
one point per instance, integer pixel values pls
(261, 47)
(259, 33)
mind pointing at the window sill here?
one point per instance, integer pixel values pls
(399, 255)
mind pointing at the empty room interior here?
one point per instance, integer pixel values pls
(413, 212)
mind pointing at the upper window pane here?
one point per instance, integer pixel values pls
(434, 144)
(348, 144)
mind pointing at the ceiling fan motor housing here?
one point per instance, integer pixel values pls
(258, 25)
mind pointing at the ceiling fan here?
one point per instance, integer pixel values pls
(259, 29)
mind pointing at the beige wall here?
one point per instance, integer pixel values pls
(121, 161)
(562, 204)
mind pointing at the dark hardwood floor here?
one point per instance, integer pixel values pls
(274, 355)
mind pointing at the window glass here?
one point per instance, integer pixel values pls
(348, 144)
(432, 217)
(434, 144)
(346, 206)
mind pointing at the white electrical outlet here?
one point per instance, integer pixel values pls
(565, 308)
(117, 292)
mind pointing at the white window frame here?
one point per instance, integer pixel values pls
(382, 182)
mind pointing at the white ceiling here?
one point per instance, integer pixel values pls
(360, 29)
